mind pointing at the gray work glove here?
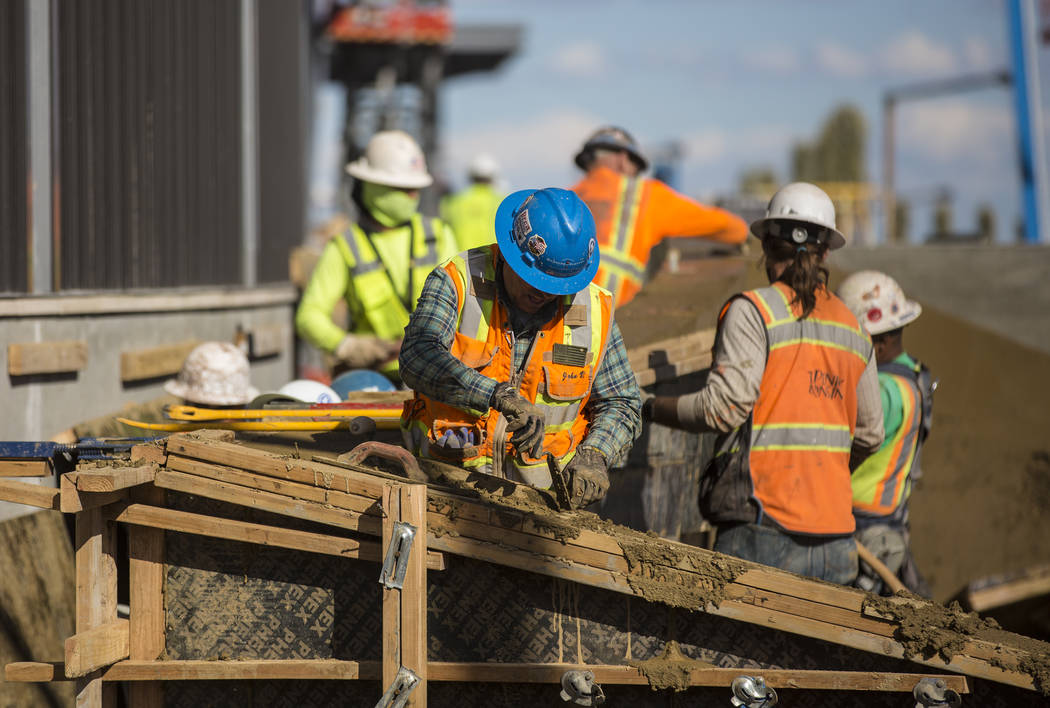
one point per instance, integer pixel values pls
(588, 477)
(366, 351)
(525, 420)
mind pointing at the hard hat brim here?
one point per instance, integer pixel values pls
(911, 312)
(636, 157)
(359, 169)
(512, 255)
(835, 239)
(177, 388)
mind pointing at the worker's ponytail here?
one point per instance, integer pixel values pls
(805, 272)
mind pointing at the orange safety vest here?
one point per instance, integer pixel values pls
(558, 373)
(633, 214)
(883, 481)
(790, 459)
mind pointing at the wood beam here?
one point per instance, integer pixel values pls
(25, 468)
(414, 592)
(113, 479)
(146, 598)
(12, 490)
(96, 594)
(96, 647)
(72, 500)
(34, 671)
(390, 603)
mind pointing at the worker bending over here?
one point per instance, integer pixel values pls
(380, 264)
(634, 214)
(472, 211)
(883, 482)
(514, 355)
(794, 397)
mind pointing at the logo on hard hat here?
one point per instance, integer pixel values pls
(874, 314)
(522, 227)
(590, 248)
(537, 246)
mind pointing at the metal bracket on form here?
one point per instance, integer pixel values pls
(397, 695)
(395, 565)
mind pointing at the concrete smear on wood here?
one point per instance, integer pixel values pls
(672, 669)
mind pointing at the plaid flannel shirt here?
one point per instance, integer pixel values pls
(428, 366)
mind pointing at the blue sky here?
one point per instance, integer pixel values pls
(738, 83)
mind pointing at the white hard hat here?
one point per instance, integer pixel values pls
(216, 373)
(483, 166)
(309, 391)
(799, 201)
(392, 158)
(878, 301)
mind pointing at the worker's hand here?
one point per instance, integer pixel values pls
(524, 419)
(365, 351)
(588, 475)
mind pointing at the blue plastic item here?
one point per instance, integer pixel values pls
(361, 380)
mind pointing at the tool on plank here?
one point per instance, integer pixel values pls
(194, 413)
(388, 422)
(561, 487)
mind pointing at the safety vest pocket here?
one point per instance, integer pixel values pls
(473, 352)
(566, 383)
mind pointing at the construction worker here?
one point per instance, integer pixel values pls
(793, 395)
(380, 263)
(513, 338)
(214, 374)
(471, 211)
(634, 214)
(883, 482)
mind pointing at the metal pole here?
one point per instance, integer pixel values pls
(38, 114)
(1023, 56)
(1035, 104)
(249, 143)
(889, 194)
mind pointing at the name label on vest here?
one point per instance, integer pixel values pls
(569, 355)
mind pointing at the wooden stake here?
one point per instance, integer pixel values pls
(414, 592)
(96, 596)
(146, 599)
(391, 597)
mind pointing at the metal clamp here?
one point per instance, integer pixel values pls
(752, 692)
(397, 695)
(580, 688)
(935, 692)
(395, 565)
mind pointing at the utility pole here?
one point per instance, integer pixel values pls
(1028, 108)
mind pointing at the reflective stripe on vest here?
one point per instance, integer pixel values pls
(616, 258)
(802, 423)
(561, 390)
(883, 481)
(376, 307)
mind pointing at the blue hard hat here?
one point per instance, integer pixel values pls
(547, 236)
(361, 380)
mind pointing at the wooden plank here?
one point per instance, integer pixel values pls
(278, 504)
(146, 598)
(149, 452)
(25, 468)
(112, 479)
(414, 592)
(73, 500)
(34, 671)
(97, 647)
(675, 348)
(270, 670)
(1032, 582)
(30, 494)
(25, 358)
(96, 594)
(154, 362)
(268, 340)
(390, 603)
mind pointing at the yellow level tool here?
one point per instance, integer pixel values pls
(384, 423)
(194, 413)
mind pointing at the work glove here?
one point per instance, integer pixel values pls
(525, 420)
(365, 351)
(588, 477)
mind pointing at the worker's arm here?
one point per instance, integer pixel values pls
(869, 432)
(675, 214)
(614, 408)
(426, 362)
(732, 386)
(329, 282)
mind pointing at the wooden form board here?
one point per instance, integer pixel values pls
(760, 595)
(25, 468)
(12, 490)
(146, 598)
(153, 362)
(672, 358)
(25, 358)
(139, 672)
(96, 595)
(1031, 583)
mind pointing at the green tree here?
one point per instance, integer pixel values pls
(758, 182)
(838, 153)
(986, 223)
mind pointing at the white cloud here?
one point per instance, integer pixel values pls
(838, 60)
(953, 130)
(537, 148)
(978, 54)
(780, 60)
(913, 53)
(585, 59)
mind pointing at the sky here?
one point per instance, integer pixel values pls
(738, 83)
